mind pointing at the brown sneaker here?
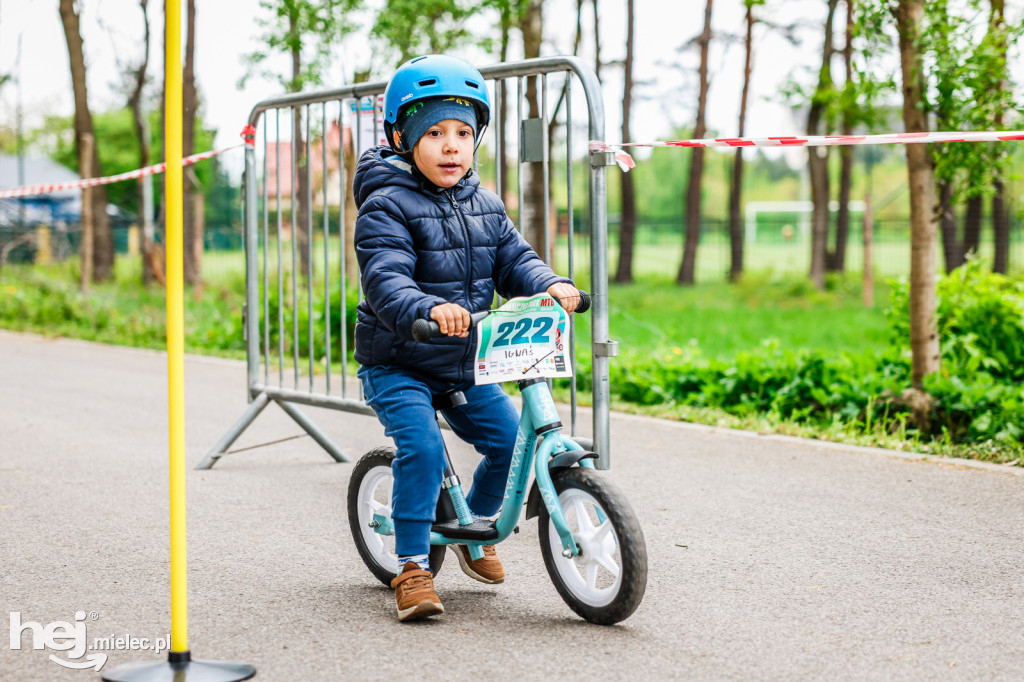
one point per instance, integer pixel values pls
(486, 570)
(414, 593)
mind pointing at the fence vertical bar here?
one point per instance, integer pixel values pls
(252, 332)
(343, 279)
(569, 240)
(327, 248)
(266, 275)
(358, 151)
(545, 223)
(519, 151)
(296, 128)
(376, 135)
(601, 343)
(280, 261)
(499, 126)
(309, 243)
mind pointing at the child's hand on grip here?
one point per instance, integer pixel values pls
(567, 295)
(452, 318)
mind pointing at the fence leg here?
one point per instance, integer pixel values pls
(314, 431)
(234, 432)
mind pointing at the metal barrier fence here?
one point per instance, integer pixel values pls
(290, 289)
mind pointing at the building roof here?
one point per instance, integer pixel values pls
(39, 170)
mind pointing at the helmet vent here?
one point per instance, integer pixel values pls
(473, 85)
(425, 83)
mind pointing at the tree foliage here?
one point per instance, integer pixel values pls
(967, 93)
(966, 77)
(414, 27)
(307, 28)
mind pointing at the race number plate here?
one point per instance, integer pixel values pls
(525, 338)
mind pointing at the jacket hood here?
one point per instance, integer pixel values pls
(381, 167)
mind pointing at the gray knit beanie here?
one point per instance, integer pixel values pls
(417, 118)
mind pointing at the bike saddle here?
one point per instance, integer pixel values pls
(448, 399)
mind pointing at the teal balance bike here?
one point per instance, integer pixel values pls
(591, 541)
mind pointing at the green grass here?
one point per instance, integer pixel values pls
(656, 316)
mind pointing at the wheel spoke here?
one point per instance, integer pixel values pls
(601, 534)
(591, 570)
(608, 561)
(585, 525)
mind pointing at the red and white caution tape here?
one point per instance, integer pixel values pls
(815, 141)
(92, 182)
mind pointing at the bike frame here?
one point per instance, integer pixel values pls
(538, 411)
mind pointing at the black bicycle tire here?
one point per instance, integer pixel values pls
(382, 456)
(632, 548)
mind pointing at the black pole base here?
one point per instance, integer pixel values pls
(180, 667)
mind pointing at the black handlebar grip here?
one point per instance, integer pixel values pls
(424, 330)
(584, 304)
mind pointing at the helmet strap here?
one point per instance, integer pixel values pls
(479, 138)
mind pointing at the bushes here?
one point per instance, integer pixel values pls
(48, 301)
(55, 306)
(975, 398)
(286, 335)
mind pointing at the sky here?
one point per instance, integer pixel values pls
(227, 30)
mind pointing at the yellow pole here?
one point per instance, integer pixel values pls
(175, 326)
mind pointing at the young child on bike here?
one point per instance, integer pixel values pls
(433, 243)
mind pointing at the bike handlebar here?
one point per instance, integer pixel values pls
(423, 330)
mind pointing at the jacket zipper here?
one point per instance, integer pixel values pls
(469, 258)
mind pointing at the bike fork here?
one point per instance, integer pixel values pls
(540, 413)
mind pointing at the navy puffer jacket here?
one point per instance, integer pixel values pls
(419, 246)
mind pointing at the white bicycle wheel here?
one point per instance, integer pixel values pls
(605, 582)
(369, 493)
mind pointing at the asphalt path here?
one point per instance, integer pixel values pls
(770, 558)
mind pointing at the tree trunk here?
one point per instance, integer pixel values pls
(1001, 228)
(867, 236)
(501, 113)
(836, 260)
(351, 212)
(142, 136)
(597, 41)
(972, 225)
(85, 148)
(103, 242)
(192, 220)
(924, 336)
(818, 157)
(627, 227)
(300, 224)
(693, 188)
(532, 220)
(952, 248)
(736, 190)
(1000, 214)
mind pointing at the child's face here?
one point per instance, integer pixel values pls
(445, 152)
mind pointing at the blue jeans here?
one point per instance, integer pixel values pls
(488, 421)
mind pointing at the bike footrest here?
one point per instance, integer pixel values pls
(478, 530)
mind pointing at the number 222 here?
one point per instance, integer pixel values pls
(521, 328)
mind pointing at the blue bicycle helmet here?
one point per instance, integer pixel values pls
(435, 75)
